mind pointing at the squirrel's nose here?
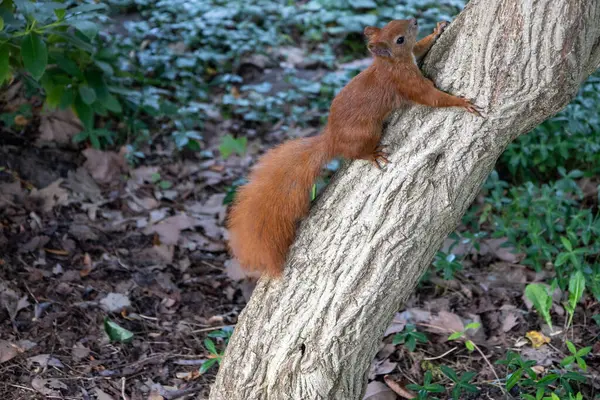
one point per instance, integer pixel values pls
(414, 21)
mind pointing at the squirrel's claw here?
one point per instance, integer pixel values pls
(470, 107)
(379, 155)
(441, 27)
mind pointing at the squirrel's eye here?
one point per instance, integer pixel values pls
(400, 40)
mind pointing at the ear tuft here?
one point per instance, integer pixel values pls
(380, 49)
(370, 31)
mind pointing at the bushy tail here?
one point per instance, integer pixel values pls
(262, 221)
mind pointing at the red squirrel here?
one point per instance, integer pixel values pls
(262, 221)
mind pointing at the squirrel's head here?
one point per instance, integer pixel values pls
(395, 40)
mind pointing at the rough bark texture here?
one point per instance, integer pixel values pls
(357, 258)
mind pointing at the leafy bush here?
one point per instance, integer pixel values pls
(570, 140)
(56, 44)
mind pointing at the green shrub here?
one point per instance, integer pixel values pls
(56, 45)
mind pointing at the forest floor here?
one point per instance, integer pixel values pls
(115, 281)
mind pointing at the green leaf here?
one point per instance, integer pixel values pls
(68, 65)
(164, 185)
(513, 379)
(469, 345)
(66, 99)
(566, 243)
(35, 55)
(207, 364)
(84, 112)
(576, 288)
(88, 95)
(229, 145)
(421, 337)
(112, 104)
(561, 259)
(54, 93)
(581, 363)
(456, 392)
(210, 346)
(584, 351)
(1, 24)
(449, 372)
(435, 388)
(574, 377)
(548, 379)
(473, 325)
(94, 140)
(411, 343)
(105, 67)
(88, 28)
(567, 360)
(455, 335)
(117, 333)
(571, 347)
(81, 136)
(74, 40)
(60, 13)
(541, 300)
(4, 66)
(470, 387)
(467, 376)
(84, 8)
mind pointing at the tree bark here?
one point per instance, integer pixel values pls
(370, 236)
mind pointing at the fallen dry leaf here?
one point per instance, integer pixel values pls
(143, 175)
(10, 193)
(236, 273)
(544, 356)
(384, 367)
(115, 302)
(379, 391)
(498, 248)
(20, 120)
(48, 387)
(510, 321)
(44, 360)
(162, 252)
(59, 126)
(51, 196)
(395, 386)
(396, 326)
(446, 322)
(36, 242)
(100, 395)
(170, 228)
(538, 339)
(7, 351)
(104, 166)
(79, 352)
(385, 351)
(82, 183)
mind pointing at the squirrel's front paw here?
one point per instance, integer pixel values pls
(470, 107)
(439, 29)
(379, 156)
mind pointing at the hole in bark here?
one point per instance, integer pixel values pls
(437, 158)
(302, 348)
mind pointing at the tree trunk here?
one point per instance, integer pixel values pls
(370, 236)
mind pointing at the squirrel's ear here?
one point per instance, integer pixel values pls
(371, 30)
(380, 49)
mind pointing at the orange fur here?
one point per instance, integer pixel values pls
(262, 222)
